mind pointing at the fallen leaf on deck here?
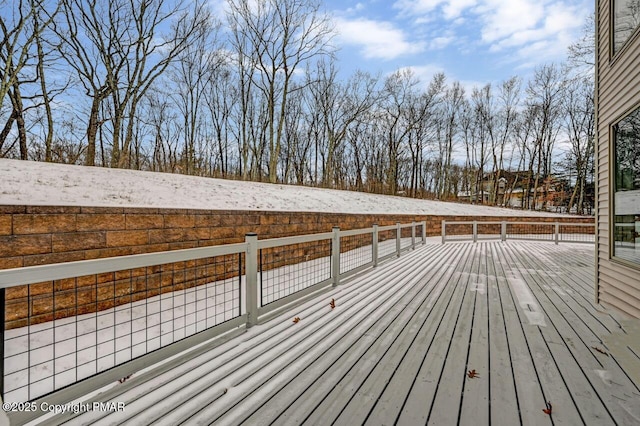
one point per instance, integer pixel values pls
(332, 304)
(472, 374)
(548, 409)
(296, 320)
(599, 350)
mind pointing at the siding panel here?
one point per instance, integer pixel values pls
(618, 91)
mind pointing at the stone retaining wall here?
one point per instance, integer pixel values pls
(38, 235)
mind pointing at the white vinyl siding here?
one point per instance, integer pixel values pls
(618, 94)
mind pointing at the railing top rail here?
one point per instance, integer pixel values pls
(407, 225)
(387, 228)
(549, 223)
(296, 239)
(512, 222)
(352, 232)
(472, 222)
(57, 271)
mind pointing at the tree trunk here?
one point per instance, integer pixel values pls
(7, 127)
(45, 99)
(18, 108)
(92, 131)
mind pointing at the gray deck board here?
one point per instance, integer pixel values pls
(529, 396)
(355, 384)
(397, 348)
(380, 403)
(453, 379)
(504, 405)
(293, 403)
(398, 386)
(567, 361)
(596, 397)
(474, 408)
(419, 402)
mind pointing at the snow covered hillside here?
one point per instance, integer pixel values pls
(36, 183)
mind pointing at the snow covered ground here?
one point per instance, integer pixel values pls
(45, 357)
(36, 183)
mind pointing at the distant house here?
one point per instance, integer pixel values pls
(511, 189)
(487, 192)
(618, 155)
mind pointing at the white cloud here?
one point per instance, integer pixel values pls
(414, 7)
(543, 28)
(502, 18)
(454, 8)
(357, 8)
(441, 42)
(547, 39)
(451, 9)
(377, 39)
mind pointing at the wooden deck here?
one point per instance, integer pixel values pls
(399, 346)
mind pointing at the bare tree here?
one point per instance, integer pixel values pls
(221, 97)
(19, 32)
(402, 108)
(21, 29)
(544, 93)
(160, 118)
(244, 61)
(508, 104)
(195, 73)
(341, 105)
(279, 36)
(453, 99)
(578, 110)
(483, 104)
(581, 55)
(88, 44)
(117, 52)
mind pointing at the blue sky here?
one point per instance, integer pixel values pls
(472, 41)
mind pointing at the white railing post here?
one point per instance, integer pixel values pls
(557, 232)
(251, 273)
(503, 231)
(475, 231)
(335, 256)
(413, 235)
(444, 232)
(424, 232)
(374, 245)
(398, 235)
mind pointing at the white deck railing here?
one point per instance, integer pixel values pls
(556, 232)
(164, 303)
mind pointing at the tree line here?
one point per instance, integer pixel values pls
(255, 93)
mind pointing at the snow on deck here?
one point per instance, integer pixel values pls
(37, 183)
(460, 333)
